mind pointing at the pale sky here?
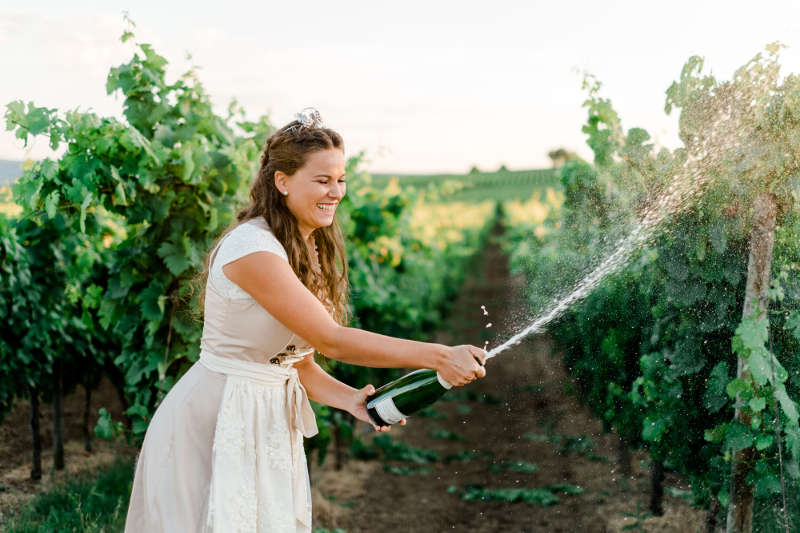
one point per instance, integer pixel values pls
(421, 86)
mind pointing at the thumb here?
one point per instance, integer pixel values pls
(369, 390)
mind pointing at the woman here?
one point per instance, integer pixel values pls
(224, 450)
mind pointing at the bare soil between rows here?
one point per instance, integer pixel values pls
(532, 389)
(532, 386)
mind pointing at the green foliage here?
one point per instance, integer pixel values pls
(107, 428)
(439, 433)
(400, 470)
(472, 396)
(522, 467)
(544, 496)
(638, 518)
(653, 348)
(400, 451)
(466, 455)
(430, 412)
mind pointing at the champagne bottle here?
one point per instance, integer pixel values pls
(404, 396)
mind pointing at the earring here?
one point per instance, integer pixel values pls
(285, 193)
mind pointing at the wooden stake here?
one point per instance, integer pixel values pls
(740, 509)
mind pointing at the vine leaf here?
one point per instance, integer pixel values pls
(788, 406)
(174, 257)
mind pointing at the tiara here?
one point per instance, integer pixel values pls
(309, 117)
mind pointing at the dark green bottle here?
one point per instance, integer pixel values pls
(405, 396)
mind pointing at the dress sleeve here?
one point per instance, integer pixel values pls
(241, 241)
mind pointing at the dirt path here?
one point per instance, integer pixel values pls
(16, 445)
(533, 421)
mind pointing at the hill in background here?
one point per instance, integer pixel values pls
(9, 171)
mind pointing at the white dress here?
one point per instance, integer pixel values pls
(224, 450)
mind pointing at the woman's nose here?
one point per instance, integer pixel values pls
(337, 191)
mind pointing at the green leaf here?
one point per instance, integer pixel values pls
(753, 332)
(715, 434)
(51, 202)
(737, 437)
(787, 404)
(793, 324)
(767, 484)
(188, 164)
(153, 302)
(756, 404)
(653, 429)
(718, 237)
(84, 204)
(174, 257)
(737, 386)
(763, 441)
(714, 396)
(758, 365)
(106, 428)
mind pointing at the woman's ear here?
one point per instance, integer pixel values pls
(281, 181)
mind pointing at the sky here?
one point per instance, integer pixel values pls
(419, 86)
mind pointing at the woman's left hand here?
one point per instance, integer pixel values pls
(359, 409)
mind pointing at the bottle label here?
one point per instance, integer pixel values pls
(442, 382)
(388, 411)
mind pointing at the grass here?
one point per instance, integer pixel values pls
(88, 503)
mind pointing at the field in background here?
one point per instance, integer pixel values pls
(500, 186)
(7, 205)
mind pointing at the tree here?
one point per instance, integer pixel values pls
(559, 156)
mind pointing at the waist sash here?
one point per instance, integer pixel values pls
(298, 411)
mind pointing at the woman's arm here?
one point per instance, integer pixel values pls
(270, 280)
(325, 389)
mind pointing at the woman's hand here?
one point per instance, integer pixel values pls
(359, 410)
(462, 364)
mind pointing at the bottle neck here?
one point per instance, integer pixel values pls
(442, 382)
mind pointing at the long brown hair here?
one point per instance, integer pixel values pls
(287, 150)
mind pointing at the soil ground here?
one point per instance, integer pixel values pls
(532, 390)
(16, 445)
(535, 420)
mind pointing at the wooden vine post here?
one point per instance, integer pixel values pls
(740, 509)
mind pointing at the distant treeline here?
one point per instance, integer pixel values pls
(9, 171)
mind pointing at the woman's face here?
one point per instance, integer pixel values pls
(315, 190)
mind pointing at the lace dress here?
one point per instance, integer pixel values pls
(224, 450)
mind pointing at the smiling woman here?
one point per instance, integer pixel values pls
(224, 450)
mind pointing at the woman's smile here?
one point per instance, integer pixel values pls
(327, 207)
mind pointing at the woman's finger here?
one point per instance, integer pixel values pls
(479, 355)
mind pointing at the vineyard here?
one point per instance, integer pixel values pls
(669, 390)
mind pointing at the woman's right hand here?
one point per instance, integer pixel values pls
(462, 364)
